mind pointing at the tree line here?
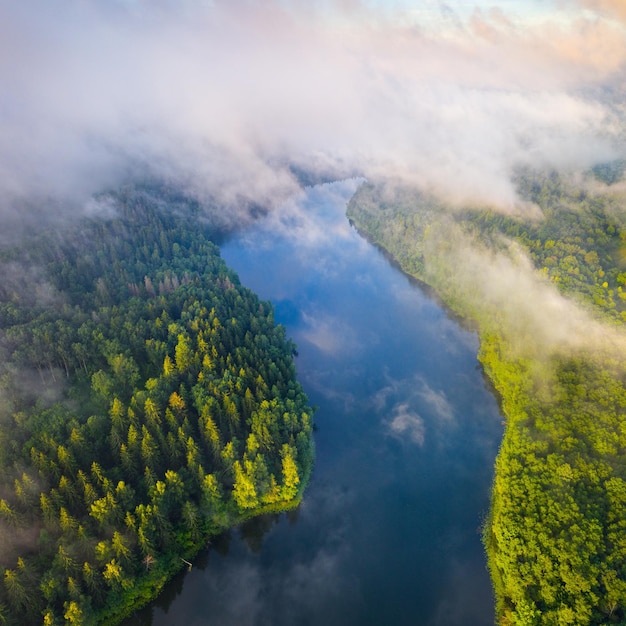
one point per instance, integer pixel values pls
(555, 533)
(150, 402)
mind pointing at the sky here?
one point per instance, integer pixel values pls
(225, 98)
(438, 12)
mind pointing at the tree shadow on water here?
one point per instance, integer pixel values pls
(254, 530)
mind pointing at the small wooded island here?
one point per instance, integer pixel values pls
(546, 291)
(150, 402)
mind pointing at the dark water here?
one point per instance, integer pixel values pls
(389, 529)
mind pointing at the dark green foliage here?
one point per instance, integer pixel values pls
(150, 401)
(556, 533)
(610, 172)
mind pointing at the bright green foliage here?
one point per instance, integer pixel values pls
(291, 479)
(244, 490)
(556, 533)
(163, 386)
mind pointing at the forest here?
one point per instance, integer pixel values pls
(555, 535)
(149, 402)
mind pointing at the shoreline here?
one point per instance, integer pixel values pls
(178, 563)
(472, 326)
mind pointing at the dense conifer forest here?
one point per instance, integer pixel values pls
(556, 532)
(149, 401)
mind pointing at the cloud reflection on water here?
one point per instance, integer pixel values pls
(382, 523)
(407, 422)
(413, 408)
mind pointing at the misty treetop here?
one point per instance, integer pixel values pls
(149, 401)
(556, 532)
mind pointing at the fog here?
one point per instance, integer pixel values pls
(535, 319)
(241, 103)
(226, 98)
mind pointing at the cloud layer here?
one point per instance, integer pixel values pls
(225, 97)
(535, 318)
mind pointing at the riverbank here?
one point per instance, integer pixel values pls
(550, 534)
(152, 584)
(162, 407)
(403, 421)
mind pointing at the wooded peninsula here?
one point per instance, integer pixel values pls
(546, 291)
(149, 402)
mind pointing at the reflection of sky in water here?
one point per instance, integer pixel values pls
(407, 435)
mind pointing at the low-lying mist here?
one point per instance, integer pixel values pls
(228, 99)
(537, 320)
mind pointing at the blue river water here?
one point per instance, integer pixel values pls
(388, 533)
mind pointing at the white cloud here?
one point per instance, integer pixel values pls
(535, 316)
(222, 97)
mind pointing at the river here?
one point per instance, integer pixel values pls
(388, 533)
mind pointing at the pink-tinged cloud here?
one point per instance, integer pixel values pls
(225, 98)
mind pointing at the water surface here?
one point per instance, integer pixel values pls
(389, 529)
